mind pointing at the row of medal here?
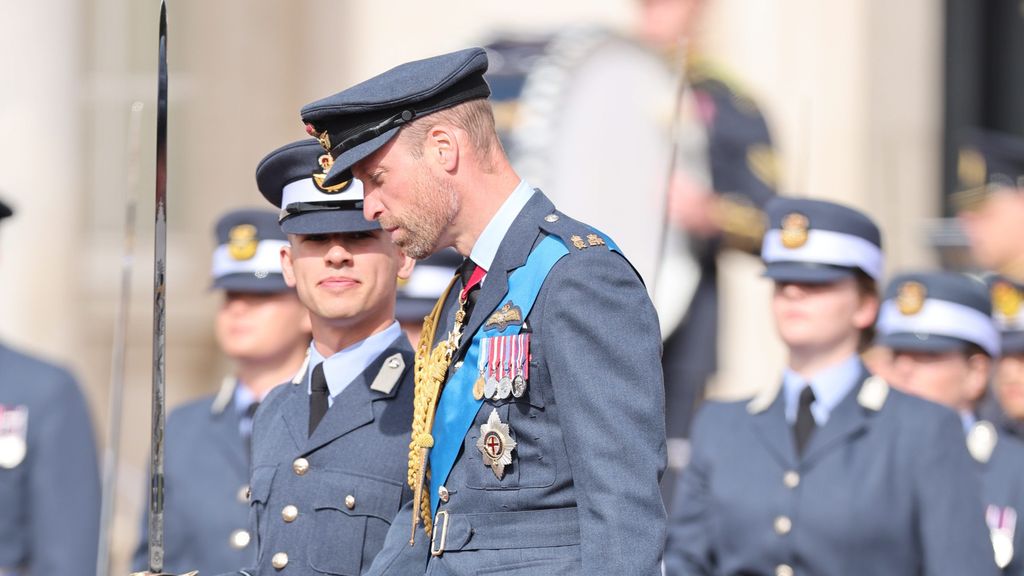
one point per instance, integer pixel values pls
(504, 367)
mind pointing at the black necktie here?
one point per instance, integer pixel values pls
(317, 397)
(805, 423)
(249, 417)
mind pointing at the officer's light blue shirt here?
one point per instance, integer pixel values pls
(830, 387)
(343, 366)
(967, 419)
(243, 398)
(486, 246)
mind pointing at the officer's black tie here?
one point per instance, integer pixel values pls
(805, 423)
(317, 397)
(250, 417)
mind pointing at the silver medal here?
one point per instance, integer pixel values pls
(504, 387)
(519, 386)
(490, 387)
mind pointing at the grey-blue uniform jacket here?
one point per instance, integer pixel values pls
(1002, 487)
(322, 504)
(206, 471)
(581, 495)
(885, 487)
(50, 491)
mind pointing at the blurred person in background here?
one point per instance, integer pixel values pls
(942, 337)
(990, 201)
(418, 294)
(721, 181)
(49, 474)
(829, 471)
(1007, 310)
(263, 329)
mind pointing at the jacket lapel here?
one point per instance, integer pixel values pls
(772, 429)
(848, 419)
(353, 407)
(228, 438)
(295, 411)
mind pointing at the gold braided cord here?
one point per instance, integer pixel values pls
(430, 370)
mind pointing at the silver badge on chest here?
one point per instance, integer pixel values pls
(13, 435)
(495, 444)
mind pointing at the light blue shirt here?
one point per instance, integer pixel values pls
(241, 401)
(343, 366)
(487, 244)
(830, 387)
(968, 420)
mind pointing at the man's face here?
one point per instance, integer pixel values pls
(409, 196)
(820, 315)
(1010, 385)
(994, 229)
(346, 279)
(257, 327)
(947, 378)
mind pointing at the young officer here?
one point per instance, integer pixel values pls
(329, 449)
(828, 471)
(939, 328)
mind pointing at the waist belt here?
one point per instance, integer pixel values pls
(505, 530)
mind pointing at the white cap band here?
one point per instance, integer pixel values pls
(427, 282)
(826, 247)
(266, 260)
(306, 191)
(942, 318)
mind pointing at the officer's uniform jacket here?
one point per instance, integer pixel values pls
(206, 470)
(581, 493)
(49, 476)
(1002, 492)
(885, 487)
(322, 504)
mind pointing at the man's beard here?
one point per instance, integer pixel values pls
(435, 206)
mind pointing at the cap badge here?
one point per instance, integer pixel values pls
(910, 298)
(794, 230)
(242, 242)
(1006, 299)
(326, 161)
(971, 168)
(323, 137)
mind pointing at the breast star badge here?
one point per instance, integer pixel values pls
(495, 444)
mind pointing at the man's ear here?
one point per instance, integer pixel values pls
(405, 266)
(443, 147)
(979, 369)
(286, 266)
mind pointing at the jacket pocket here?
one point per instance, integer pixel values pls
(352, 515)
(259, 497)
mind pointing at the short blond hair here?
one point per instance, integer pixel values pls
(475, 117)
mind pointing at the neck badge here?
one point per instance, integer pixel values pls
(1002, 524)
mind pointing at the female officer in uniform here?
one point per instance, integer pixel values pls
(828, 471)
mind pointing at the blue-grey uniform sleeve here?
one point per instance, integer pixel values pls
(397, 558)
(64, 493)
(688, 548)
(603, 352)
(954, 537)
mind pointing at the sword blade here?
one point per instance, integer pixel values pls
(156, 496)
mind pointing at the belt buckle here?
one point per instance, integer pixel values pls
(440, 524)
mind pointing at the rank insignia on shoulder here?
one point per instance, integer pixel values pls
(578, 242)
(1002, 524)
(496, 444)
(13, 434)
(595, 240)
(508, 314)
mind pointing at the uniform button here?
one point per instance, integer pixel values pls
(783, 525)
(551, 218)
(300, 466)
(280, 560)
(243, 494)
(783, 570)
(791, 479)
(240, 539)
(457, 366)
(350, 501)
(442, 493)
(289, 513)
